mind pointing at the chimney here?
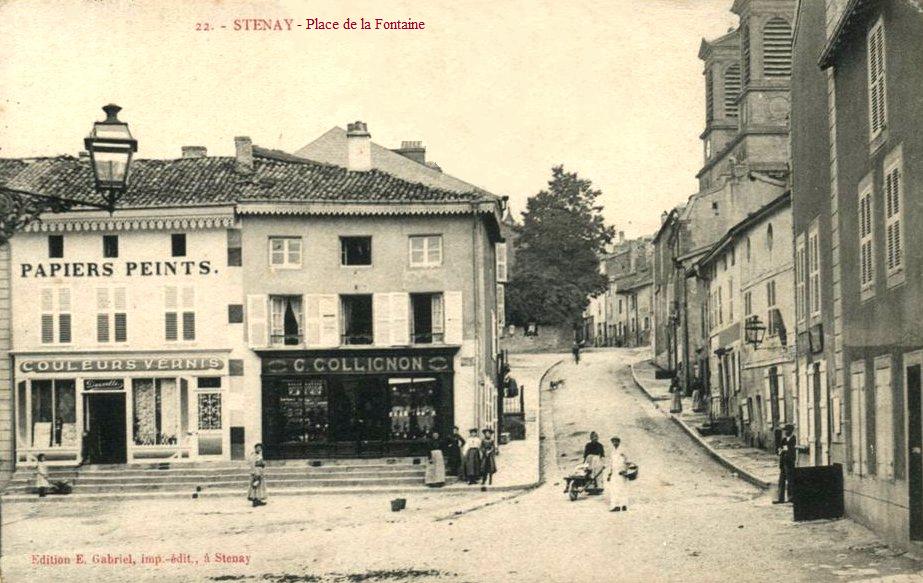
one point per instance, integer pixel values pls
(194, 151)
(621, 237)
(358, 147)
(413, 151)
(663, 217)
(244, 162)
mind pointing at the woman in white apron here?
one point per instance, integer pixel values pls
(617, 483)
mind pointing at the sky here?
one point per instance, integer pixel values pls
(498, 91)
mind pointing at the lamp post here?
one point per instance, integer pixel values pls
(111, 147)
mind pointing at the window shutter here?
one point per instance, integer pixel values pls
(257, 320)
(121, 327)
(809, 382)
(330, 320)
(494, 344)
(188, 297)
(170, 326)
(767, 398)
(884, 424)
(170, 297)
(400, 318)
(777, 49)
(731, 90)
(893, 235)
(876, 80)
(381, 314)
(780, 396)
(312, 319)
(824, 413)
(188, 325)
(856, 420)
(102, 327)
(438, 315)
(500, 249)
(501, 306)
(454, 318)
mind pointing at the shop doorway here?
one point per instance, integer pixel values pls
(359, 416)
(915, 447)
(105, 441)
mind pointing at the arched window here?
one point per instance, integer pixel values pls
(777, 48)
(769, 238)
(731, 89)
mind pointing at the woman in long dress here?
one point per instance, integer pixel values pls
(594, 456)
(617, 483)
(488, 457)
(451, 451)
(256, 493)
(471, 457)
(435, 464)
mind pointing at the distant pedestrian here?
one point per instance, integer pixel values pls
(451, 452)
(786, 453)
(677, 390)
(42, 485)
(471, 458)
(594, 457)
(618, 478)
(256, 493)
(575, 349)
(488, 457)
(435, 464)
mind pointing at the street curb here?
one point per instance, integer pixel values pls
(541, 386)
(741, 473)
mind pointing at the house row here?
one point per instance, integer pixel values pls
(342, 305)
(785, 288)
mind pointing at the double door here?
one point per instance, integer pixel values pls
(359, 417)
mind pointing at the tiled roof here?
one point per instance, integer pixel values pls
(331, 148)
(10, 167)
(276, 177)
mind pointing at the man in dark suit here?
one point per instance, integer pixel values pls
(786, 464)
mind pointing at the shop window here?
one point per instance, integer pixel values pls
(111, 316)
(285, 252)
(179, 313)
(56, 315)
(53, 420)
(413, 407)
(356, 250)
(55, 246)
(301, 415)
(208, 382)
(428, 319)
(156, 406)
(209, 409)
(110, 246)
(357, 319)
(286, 326)
(425, 250)
(178, 244)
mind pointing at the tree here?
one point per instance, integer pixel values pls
(557, 252)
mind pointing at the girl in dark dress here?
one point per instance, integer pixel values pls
(488, 457)
(471, 458)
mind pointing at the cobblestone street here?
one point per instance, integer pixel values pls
(690, 520)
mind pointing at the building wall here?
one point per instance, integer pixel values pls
(7, 442)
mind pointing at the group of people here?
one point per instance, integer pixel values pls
(472, 460)
(616, 474)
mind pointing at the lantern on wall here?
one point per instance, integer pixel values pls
(754, 330)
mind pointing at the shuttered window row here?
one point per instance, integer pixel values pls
(55, 318)
(878, 109)
(777, 49)
(731, 90)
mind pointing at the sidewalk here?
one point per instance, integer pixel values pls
(753, 465)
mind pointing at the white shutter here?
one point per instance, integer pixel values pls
(780, 396)
(856, 418)
(824, 414)
(500, 250)
(809, 391)
(454, 318)
(257, 320)
(878, 108)
(767, 398)
(312, 319)
(400, 319)
(884, 424)
(495, 347)
(330, 320)
(381, 315)
(501, 306)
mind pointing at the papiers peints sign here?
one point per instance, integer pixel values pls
(115, 269)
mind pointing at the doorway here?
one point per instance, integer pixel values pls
(359, 415)
(915, 446)
(105, 440)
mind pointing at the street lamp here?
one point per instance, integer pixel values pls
(754, 331)
(111, 147)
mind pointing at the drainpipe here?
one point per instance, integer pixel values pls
(478, 285)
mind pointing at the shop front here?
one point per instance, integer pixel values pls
(355, 403)
(114, 409)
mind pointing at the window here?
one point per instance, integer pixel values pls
(110, 246)
(54, 413)
(878, 107)
(178, 244)
(356, 326)
(884, 423)
(111, 316)
(773, 316)
(730, 299)
(425, 250)
(501, 259)
(235, 255)
(501, 306)
(157, 412)
(56, 315)
(748, 304)
(709, 97)
(55, 246)
(179, 311)
(777, 49)
(769, 238)
(731, 90)
(814, 270)
(894, 241)
(801, 306)
(285, 252)
(866, 241)
(286, 320)
(355, 250)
